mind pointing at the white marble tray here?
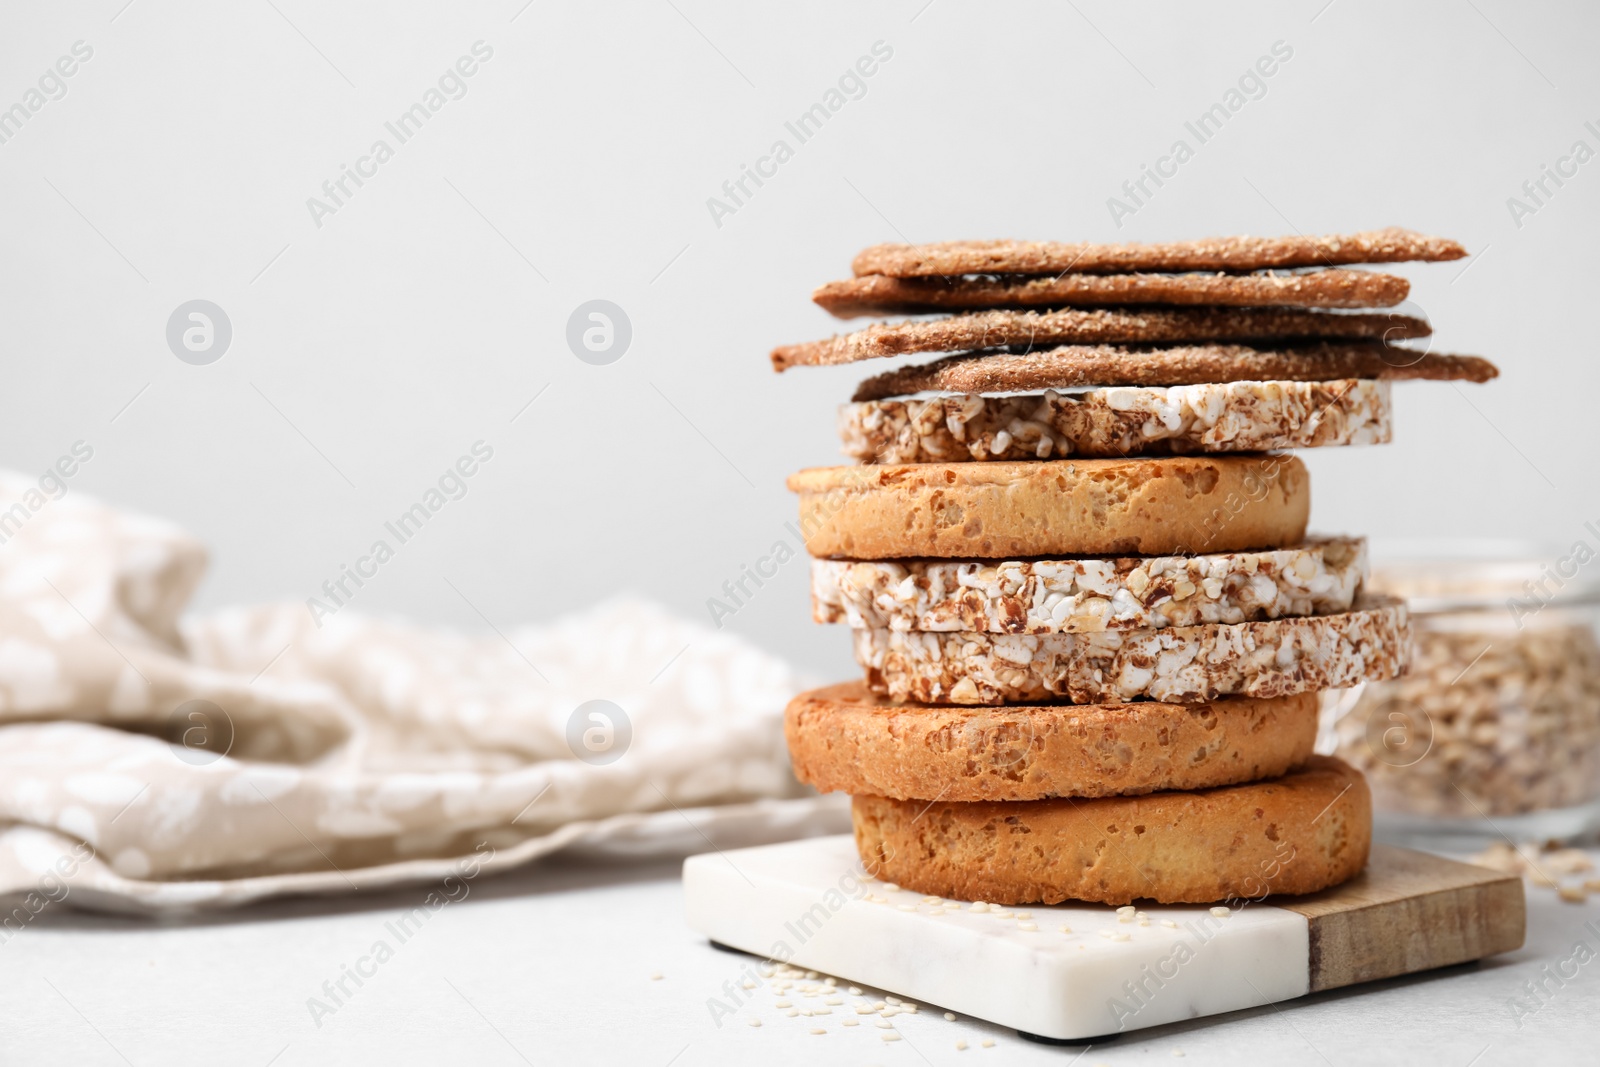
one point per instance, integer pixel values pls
(809, 903)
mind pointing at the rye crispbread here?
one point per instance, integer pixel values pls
(951, 258)
(877, 294)
(1141, 325)
(1305, 831)
(1079, 366)
(845, 739)
(1174, 505)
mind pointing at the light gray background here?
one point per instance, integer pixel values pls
(433, 306)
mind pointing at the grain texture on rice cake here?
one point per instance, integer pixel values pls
(1267, 658)
(1320, 576)
(1120, 420)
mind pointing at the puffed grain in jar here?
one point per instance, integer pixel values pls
(1495, 730)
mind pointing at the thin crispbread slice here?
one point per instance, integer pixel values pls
(1077, 366)
(878, 294)
(949, 258)
(995, 329)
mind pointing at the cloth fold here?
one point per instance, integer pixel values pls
(152, 761)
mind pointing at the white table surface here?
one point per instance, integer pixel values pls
(554, 965)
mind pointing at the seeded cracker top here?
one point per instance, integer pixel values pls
(1393, 245)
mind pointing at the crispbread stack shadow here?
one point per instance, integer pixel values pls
(1073, 558)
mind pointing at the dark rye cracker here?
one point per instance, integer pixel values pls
(998, 329)
(878, 294)
(1077, 366)
(1392, 245)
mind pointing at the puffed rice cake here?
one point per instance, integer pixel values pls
(1320, 576)
(1119, 421)
(1276, 657)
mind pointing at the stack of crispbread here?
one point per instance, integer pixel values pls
(1073, 557)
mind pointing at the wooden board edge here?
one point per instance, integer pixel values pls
(1409, 912)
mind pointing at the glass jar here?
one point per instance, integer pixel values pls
(1494, 733)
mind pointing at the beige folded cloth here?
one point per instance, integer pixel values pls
(360, 753)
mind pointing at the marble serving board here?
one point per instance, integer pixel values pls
(1079, 971)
